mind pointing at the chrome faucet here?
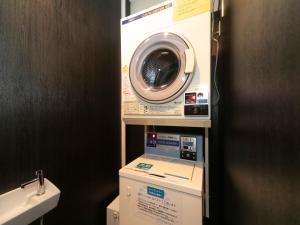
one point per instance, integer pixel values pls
(40, 179)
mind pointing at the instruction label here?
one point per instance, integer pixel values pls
(158, 206)
(168, 141)
(188, 8)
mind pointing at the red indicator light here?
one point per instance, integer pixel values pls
(192, 97)
(153, 135)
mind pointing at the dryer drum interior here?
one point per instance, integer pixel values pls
(160, 69)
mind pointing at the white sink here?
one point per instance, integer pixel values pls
(23, 206)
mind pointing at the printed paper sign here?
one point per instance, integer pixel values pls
(188, 8)
(158, 206)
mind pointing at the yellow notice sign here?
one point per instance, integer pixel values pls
(125, 69)
(187, 8)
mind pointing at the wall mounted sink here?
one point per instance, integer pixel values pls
(23, 206)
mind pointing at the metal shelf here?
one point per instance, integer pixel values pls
(168, 122)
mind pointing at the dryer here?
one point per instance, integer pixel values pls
(165, 64)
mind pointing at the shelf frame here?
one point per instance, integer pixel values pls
(167, 122)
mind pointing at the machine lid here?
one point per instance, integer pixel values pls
(170, 169)
(171, 173)
(161, 68)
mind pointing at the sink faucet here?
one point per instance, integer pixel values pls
(40, 179)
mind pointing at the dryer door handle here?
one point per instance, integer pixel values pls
(189, 61)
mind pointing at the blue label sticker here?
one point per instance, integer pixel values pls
(202, 101)
(155, 192)
(147, 13)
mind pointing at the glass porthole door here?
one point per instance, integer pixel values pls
(161, 67)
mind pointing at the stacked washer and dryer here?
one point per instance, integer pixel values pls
(165, 76)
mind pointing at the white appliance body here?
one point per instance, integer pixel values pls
(166, 64)
(112, 212)
(170, 192)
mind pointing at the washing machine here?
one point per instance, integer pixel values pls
(156, 190)
(166, 64)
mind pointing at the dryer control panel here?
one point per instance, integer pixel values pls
(196, 104)
(180, 146)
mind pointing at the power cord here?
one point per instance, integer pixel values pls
(215, 38)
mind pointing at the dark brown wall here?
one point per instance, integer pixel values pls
(59, 101)
(261, 129)
(134, 142)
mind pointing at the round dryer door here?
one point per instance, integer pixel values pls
(161, 68)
